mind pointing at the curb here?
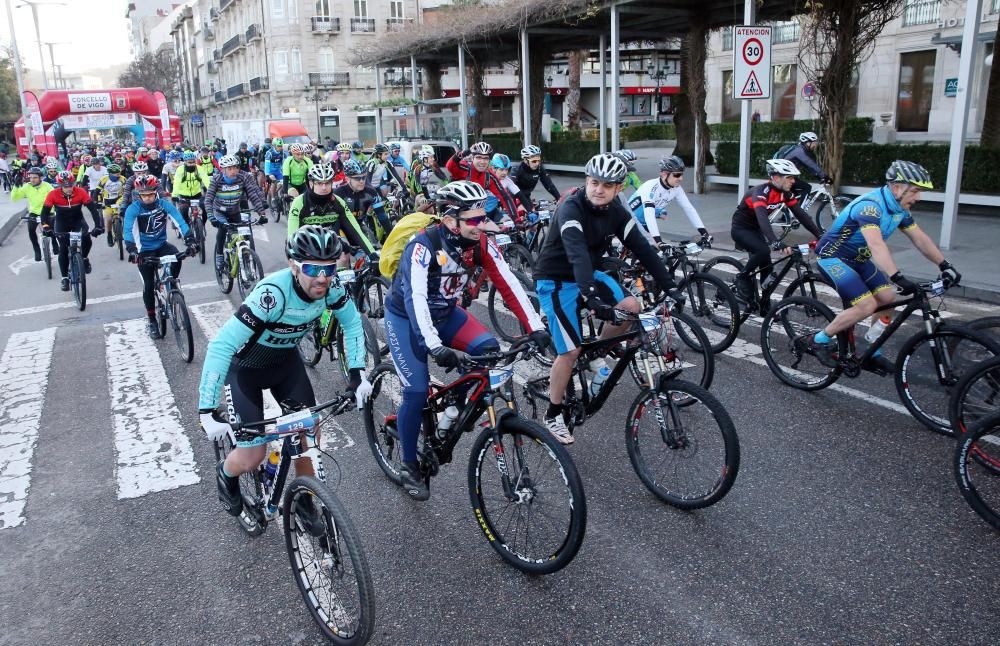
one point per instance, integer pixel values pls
(8, 227)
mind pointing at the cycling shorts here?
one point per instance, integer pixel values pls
(244, 389)
(561, 303)
(854, 281)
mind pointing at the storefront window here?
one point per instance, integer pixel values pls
(916, 88)
(730, 106)
(783, 91)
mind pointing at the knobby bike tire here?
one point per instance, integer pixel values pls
(780, 222)
(714, 306)
(47, 255)
(250, 488)
(989, 325)
(376, 288)
(309, 347)
(781, 331)
(344, 561)
(694, 348)
(519, 259)
(79, 282)
(518, 435)
(507, 326)
(975, 396)
(383, 438)
(976, 465)
(224, 276)
(251, 271)
(199, 232)
(825, 215)
(965, 349)
(680, 399)
(181, 322)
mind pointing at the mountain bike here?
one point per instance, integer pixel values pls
(976, 395)
(690, 435)
(976, 465)
(325, 551)
(241, 264)
(77, 268)
(929, 365)
(45, 242)
(196, 220)
(170, 304)
(117, 234)
(783, 222)
(532, 511)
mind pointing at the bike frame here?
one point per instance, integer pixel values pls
(235, 241)
(919, 301)
(762, 295)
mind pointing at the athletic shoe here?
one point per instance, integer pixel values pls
(229, 491)
(86, 265)
(111, 239)
(557, 428)
(153, 330)
(64, 284)
(826, 353)
(413, 481)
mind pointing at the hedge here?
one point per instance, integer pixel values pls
(857, 130)
(981, 170)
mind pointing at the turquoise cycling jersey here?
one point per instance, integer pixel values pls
(877, 209)
(266, 329)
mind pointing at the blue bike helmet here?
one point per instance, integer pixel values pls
(500, 161)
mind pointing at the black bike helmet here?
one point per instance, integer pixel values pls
(672, 164)
(313, 242)
(380, 148)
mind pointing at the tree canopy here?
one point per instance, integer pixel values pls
(10, 103)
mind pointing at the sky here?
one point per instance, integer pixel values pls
(95, 33)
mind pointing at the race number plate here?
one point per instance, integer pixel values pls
(936, 288)
(500, 376)
(692, 249)
(167, 259)
(297, 422)
(502, 239)
(804, 249)
(244, 216)
(346, 275)
(243, 231)
(650, 322)
(75, 236)
(544, 216)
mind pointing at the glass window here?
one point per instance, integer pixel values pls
(730, 106)
(396, 9)
(783, 92)
(360, 8)
(278, 9)
(916, 87)
(280, 64)
(322, 7)
(293, 10)
(326, 63)
(295, 62)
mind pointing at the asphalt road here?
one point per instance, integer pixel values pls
(844, 525)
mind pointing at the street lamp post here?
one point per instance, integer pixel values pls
(656, 74)
(18, 74)
(38, 37)
(316, 97)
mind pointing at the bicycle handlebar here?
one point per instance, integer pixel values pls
(180, 257)
(340, 404)
(521, 346)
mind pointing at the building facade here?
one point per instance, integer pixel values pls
(143, 16)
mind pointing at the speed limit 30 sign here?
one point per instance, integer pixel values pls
(751, 62)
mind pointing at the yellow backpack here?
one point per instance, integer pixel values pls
(406, 228)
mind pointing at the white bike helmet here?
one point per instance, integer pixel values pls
(781, 167)
(807, 137)
(321, 173)
(481, 148)
(228, 161)
(606, 168)
(139, 167)
(295, 148)
(531, 151)
(462, 195)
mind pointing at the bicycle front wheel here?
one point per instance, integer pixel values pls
(181, 323)
(223, 275)
(713, 305)
(376, 288)
(681, 343)
(682, 444)
(519, 259)
(329, 563)
(976, 395)
(785, 337)
(250, 272)
(977, 468)
(827, 213)
(532, 509)
(309, 346)
(199, 233)
(379, 415)
(503, 319)
(929, 367)
(79, 281)
(47, 255)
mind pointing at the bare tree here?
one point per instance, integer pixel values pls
(991, 118)
(837, 35)
(573, 71)
(154, 71)
(690, 118)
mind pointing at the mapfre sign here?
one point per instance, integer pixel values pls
(751, 62)
(90, 102)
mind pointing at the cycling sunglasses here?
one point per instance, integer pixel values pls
(474, 221)
(316, 270)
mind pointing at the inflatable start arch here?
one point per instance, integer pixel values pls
(55, 104)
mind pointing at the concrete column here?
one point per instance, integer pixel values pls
(602, 114)
(745, 116)
(378, 99)
(525, 91)
(615, 65)
(413, 95)
(959, 122)
(463, 114)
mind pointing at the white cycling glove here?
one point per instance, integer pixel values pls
(363, 391)
(214, 429)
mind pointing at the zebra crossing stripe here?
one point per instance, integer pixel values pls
(24, 373)
(38, 309)
(154, 453)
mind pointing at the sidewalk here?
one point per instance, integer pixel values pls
(10, 215)
(975, 245)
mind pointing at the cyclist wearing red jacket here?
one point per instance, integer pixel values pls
(474, 165)
(67, 202)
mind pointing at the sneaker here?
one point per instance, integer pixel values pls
(38, 255)
(64, 284)
(153, 330)
(826, 353)
(229, 491)
(880, 365)
(86, 265)
(744, 288)
(557, 428)
(413, 481)
(309, 517)
(220, 262)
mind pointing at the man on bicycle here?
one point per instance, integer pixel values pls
(227, 195)
(147, 217)
(67, 202)
(189, 182)
(256, 350)
(362, 197)
(274, 160)
(426, 175)
(474, 165)
(528, 173)
(111, 188)
(804, 158)
(854, 257)
(579, 235)
(651, 199)
(423, 317)
(294, 170)
(751, 228)
(319, 206)
(35, 191)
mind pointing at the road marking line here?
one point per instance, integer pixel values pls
(24, 373)
(94, 301)
(154, 453)
(22, 262)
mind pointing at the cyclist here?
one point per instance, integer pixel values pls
(139, 169)
(651, 199)
(528, 173)
(52, 173)
(169, 169)
(155, 164)
(361, 197)
(273, 163)
(804, 158)
(67, 204)
(5, 172)
(854, 257)
(230, 190)
(500, 167)
(188, 184)
(632, 180)
(581, 229)
(145, 235)
(341, 157)
(751, 228)
(426, 176)
(92, 178)
(319, 206)
(477, 170)
(423, 316)
(206, 162)
(111, 188)
(294, 170)
(380, 173)
(397, 160)
(256, 350)
(35, 191)
(357, 153)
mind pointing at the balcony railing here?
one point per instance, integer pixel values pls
(258, 83)
(727, 39)
(397, 24)
(921, 12)
(232, 45)
(220, 96)
(240, 89)
(329, 79)
(325, 25)
(785, 32)
(253, 33)
(403, 79)
(362, 25)
(207, 32)
(217, 55)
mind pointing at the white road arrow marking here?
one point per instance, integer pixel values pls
(21, 263)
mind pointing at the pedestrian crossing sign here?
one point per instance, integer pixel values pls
(752, 87)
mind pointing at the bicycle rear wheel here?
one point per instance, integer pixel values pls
(688, 454)
(713, 305)
(116, 227)
(376, 289)
(825, 215)
(379, 414)
(976, 395)
(988, 325)
(372, 355)
(331, 569)
(199, 234)
(79, 280)
(977, 468)
(47, 255)
(250, 489)
(536, 522)
(784, 339)
(180, 320)
(250, 272)
(503, 319)
(929, 367)
(519, 259)
(309, 346)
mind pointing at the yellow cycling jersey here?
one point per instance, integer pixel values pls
(111, 190)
